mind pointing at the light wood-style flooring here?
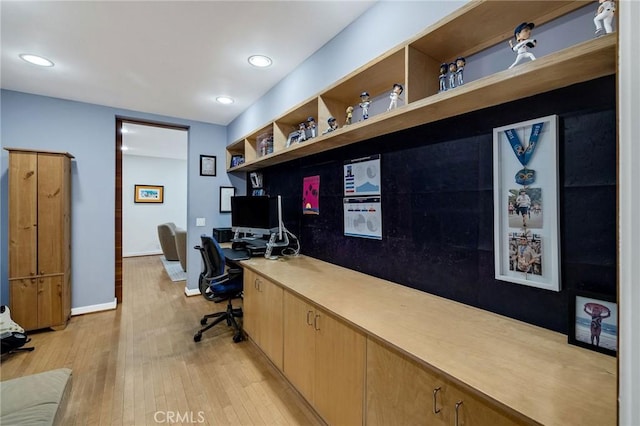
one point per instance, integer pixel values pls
(139, 365)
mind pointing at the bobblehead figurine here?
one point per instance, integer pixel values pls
(302, 131)
(364, 104)
(349, 117)
(443, 77)
(460, 63)
(311, 128)
(333, 125)
(522, 34)
(452, 75)
(604, 17)
(395, 94)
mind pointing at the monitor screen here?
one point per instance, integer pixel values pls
(254, 215)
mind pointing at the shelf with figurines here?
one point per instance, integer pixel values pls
(431, 68)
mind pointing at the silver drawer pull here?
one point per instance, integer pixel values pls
(458, 404)
(435, 402)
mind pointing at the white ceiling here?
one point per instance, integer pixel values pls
(164, 57)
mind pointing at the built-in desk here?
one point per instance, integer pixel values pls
(425, 355)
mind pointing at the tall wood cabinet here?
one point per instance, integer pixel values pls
(39, 238)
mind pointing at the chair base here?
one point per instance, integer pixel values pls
(229, 316)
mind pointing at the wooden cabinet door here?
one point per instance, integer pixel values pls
(50, 305)
(399, 391)
(299, 344)
(340, 367)
(270, 298)
(23, 221)
(23, 298)
(473, 411)
(250, 310)
(52, 187)
(262, 314)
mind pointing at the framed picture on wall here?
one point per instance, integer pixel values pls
(148, 194)
(226, 192)
(525, 201)
(207, 165)
(593, 322)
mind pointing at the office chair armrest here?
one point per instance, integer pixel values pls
(234, 271)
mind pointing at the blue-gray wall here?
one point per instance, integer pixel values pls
(88, 132)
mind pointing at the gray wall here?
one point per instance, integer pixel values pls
(88, 132)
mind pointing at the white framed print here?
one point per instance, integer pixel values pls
(526, 205)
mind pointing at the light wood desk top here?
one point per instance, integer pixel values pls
(532, 370)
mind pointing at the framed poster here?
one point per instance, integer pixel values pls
(226, 192)
(362, 176)
(207, 165)
(363, 217)
(593, 322)
(148, 194)
(525, 201)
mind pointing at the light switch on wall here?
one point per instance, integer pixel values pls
(201, 221)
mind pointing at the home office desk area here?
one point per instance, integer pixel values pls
(363, 350)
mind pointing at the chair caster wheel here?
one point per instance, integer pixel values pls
(203, 321)
(238, 338)
(197, 337)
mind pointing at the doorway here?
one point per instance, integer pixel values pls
(152, 150)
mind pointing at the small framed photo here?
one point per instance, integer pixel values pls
(236, 160)
(226, 192)
(593, 322)
(148, 194)
(207, 165)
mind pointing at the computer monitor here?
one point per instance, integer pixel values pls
(254, 215)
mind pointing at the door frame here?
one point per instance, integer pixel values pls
(120, 120)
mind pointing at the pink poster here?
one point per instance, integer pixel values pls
(311, 195)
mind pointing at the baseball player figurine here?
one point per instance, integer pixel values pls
(364, 104)
(522, 34)
(452, 75)
(443, 77)
(604, 17)
(395, 94)
(460, 63)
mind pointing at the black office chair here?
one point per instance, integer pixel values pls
(218, 284)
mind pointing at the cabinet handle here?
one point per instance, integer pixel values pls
(315, 323)
(435, 402)
(458, 404)
(308, 320)
(256, 284)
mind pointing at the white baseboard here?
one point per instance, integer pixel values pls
(191, 291)
(94, 308)
(142, 253)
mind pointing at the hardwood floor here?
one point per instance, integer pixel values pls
(139, 365)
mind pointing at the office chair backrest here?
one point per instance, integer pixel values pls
(213, 256)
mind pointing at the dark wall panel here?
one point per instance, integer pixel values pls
(437, 205)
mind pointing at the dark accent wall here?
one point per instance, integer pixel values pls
(437, 205)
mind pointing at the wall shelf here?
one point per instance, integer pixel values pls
(415, 63)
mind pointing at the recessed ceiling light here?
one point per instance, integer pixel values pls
(260, 61)
(224, 100)
(36, 60)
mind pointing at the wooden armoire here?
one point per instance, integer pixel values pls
(39, 238)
